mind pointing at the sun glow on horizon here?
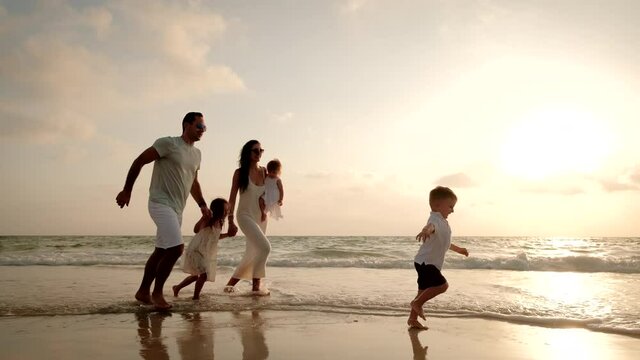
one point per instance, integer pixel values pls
(555, 141)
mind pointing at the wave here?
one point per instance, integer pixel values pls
(521, 262)
(350, 259)
(205, 305)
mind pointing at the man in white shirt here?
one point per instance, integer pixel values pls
(175, 175)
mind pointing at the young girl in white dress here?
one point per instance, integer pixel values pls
(200, 258)
(271, 202)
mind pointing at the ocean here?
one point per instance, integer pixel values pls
(591, 283)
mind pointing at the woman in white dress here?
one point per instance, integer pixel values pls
(249, 179)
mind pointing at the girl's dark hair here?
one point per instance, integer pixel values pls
(244, 164)
(217, 211)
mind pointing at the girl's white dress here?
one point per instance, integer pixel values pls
(202, 253)
(271, 197)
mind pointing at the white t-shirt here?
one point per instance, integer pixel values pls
(433, 249)
(174, 172)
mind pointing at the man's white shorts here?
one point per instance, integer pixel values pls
(168, 223)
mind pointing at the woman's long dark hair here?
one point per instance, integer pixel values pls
(217, 211)
(244, 163)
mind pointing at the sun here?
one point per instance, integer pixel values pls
(555, 141)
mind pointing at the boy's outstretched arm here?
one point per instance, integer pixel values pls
(425, 232)
(459, 250)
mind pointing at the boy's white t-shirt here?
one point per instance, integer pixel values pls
(433, 249)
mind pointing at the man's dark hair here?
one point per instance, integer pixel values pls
(190, 118)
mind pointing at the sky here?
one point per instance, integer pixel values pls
(528, 110)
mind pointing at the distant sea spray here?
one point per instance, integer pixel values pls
(615, 255)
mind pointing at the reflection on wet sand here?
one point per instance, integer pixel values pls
(196, 342)
(419, 352)
(254, 345)
(150, 335)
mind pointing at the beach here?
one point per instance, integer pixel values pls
(271, 334)
(331, 298)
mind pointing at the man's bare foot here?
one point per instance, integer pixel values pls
(159, 302)
(176, 290)
(144, 298)
(195, 298)
(415, 324)
(418, 310)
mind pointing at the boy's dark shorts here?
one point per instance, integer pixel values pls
(429, 276)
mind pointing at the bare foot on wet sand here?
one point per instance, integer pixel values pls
(176, 290)
(144, 298)
(159, 302)
(415, 324)
(260, 292)
(418, 310)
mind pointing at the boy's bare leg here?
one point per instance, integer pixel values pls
(413, 315)
(426, 295)
(417, 310)
(199, 284)
(186, 282)
(430, 293)
(144, 291)
(162, 273)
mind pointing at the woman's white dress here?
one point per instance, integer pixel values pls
(254, 262)
(271, 197)
(202, 253)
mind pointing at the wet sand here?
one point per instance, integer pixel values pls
(272, 334)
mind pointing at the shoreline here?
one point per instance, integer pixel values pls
(73, 290)
(262, 334)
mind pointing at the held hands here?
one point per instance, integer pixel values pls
(206, 212)
(426, 232)
(233, 229)
(123, 198)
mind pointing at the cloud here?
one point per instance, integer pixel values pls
(352, 6)
(550, 188)
(100, 19)
(318, 175)
(65, 67)
(283, 118)
(613, 186)
(635, 176)
(628, 181)
(459, 180)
